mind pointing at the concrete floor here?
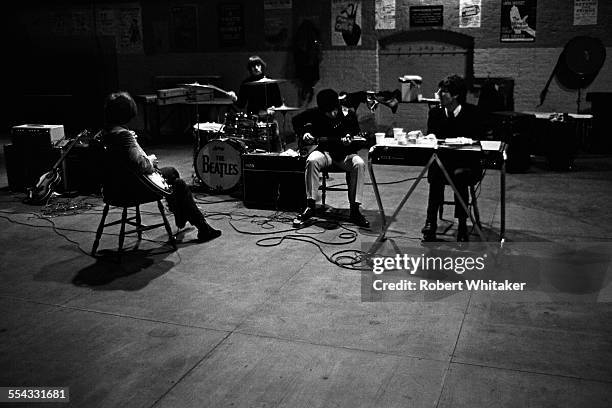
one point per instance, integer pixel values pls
(231, 323)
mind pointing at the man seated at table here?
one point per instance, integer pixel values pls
(334, 131)
(453, 118)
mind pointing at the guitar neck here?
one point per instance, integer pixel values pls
(67, 150)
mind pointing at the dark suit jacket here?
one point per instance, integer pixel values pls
(467, 124)
(315, 122)
(123, 148)
(124, 162)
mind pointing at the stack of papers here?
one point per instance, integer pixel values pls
(459, 141)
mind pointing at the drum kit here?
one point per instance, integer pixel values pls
(218, 147)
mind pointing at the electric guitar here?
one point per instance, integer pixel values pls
(305, 148)
(157, 183)
(47, 183)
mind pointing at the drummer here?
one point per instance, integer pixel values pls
(259, 98)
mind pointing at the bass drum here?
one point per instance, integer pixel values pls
(218, 164)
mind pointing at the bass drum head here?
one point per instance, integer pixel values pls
(218, 164)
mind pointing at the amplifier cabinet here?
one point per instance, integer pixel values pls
(80, 169)
(516, 129)
(36, 135)
(273, 181)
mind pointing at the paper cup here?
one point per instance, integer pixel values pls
(380, 138)
(397, 132)
(401, 139)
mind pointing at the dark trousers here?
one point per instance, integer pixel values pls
(462, 174)
(181, 201)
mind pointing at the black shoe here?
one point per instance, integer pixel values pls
(208, 234)
(462, 232)
(429, 231)
(308, 213)
(358, 219)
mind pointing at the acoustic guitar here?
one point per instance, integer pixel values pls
(47, 183)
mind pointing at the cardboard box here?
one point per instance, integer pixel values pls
(411, 88)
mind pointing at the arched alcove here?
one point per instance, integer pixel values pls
(432, 54)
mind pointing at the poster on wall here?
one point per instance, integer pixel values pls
(518, 20)
(469, 13)
(124, 23)
(129, 33)
(346, 22)
(106, 22)
(184, 28)
(277, 22)
(231, 25)
(585, 12)
(426, 16)
(385, 14)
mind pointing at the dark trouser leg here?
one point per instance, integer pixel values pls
(182, 199)
(436, 192)
(462, 179)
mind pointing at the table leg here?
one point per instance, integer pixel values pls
(458, 197)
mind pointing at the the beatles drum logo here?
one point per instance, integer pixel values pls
(218, 165)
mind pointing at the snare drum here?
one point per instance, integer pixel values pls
(206, 131)
(218, 164)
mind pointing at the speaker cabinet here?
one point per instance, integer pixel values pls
(516, 129)
(79, 170)
(24, 166)
(273, 181)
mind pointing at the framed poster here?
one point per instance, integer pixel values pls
(277, 21)
(385, 14)
(469, 13)
(585, 12)
(518, 20)
(184, 28)
(231, 25)
(346, 22)
(426, 16)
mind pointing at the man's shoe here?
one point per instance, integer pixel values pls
(462, 232)
(208, 234)
(429, 231)
(358, 219)
(308, 213)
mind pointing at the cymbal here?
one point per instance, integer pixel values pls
(284, 108)
(265, 81)
(196, 85)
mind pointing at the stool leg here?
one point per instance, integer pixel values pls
(138, 223)
(166, 224)
(94, 248)
(122, 230)
(323, 189)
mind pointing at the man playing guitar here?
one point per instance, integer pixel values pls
(123, 149)
(334, 132)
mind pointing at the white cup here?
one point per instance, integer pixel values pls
(397, 132)
(401, 139)
(380, 138)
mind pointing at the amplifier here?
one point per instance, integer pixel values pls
(80, 169)
(516, 129)
(36, 135)
(24, 166)
(273, 181)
